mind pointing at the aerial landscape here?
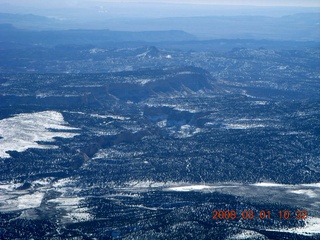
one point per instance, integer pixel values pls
(160, 119)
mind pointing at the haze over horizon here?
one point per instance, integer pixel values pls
(77, 3)
(253, 19)
(159, 8)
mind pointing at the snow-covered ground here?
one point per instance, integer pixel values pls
(189, 188)
(246, 234)
(72, 206)
(24, 130)
(12, 199)
(243, 126)
(303, 195)
(312, 227)
(26, 201)
(115, 117)
(306, 196)
(187, 131)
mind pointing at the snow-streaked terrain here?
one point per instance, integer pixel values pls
(24, 130)
(12, 199)
(187, 131)
(243, 126)
(27, 201)
(72, 206)
(311, 228)
(246, 234)
(115, 117)
(189, 188)
(302, 195)
(72, 203)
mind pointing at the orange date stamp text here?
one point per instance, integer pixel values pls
(262, 214)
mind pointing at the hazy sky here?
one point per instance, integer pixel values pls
(305, 3)
(114, 14)
(90, 9)
(74, 3)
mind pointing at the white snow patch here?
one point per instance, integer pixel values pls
(123, 195)
(162, 123)
(145, 184)
(24, 130)
(246, 94)
(282, 67)
(25, 201)
(63, 183)
(311, 228)
(316, 185)
(254, 119)
(144, 81)
(10, 187)
(260, 103)
(187, 131)
(67, 202)
(305, 192)
(182, 109)
(243, 126)
(144, 207)
(96, 50)
(269, 184)
(247, 234)
(190, 188)
(43, 181)
(293, 133)
(176, 186)
(115, 154)
(116, 117)
(30, 201)
(81, 113)
(184, 73)
(75, 213)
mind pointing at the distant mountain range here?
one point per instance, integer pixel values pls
(10, 34)
(300, 27)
